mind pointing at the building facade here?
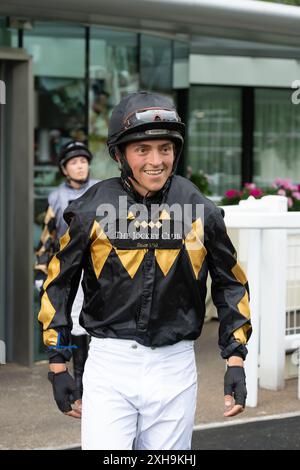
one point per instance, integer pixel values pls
(230, 71)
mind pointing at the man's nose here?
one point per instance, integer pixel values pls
(155, 158)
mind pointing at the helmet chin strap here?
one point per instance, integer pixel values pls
(126, 171)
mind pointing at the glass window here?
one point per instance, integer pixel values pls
(180, 64)
(8, 36)
(276, 137)
(214, 135)
(156, 63)
(113, 74)
(58, 52)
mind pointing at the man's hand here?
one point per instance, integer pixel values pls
(234, 387)
(64, 390)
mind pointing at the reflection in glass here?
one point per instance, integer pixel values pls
(214, 135)
(113, 74)
(156, 63)
(58, 52)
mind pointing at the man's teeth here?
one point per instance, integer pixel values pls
(153, 172)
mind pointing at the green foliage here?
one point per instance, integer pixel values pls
(201, 181)
(286, 2)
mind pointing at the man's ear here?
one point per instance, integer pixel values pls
(64, 171)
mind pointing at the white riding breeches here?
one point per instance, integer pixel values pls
(138, 397)
(77, 329)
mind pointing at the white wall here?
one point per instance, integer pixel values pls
(243, 71)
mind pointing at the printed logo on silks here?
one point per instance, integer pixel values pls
(60, 346)
(159, 226)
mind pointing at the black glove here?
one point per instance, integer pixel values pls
(64, 390)
(80, 355)
(235, 384)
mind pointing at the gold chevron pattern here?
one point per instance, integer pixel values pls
(239, 273)
(165, 259)
(243, 305)
(100, 248)
(131, 259)
(194, 246)
(47, 310)
(50, 337)
(241, 334)
(164, 215)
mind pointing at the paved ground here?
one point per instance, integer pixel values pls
(29, 418)
(278, 434)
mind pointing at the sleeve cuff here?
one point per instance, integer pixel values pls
(234, 349)
(237, 354)
(56, 359)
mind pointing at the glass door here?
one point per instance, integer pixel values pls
(215, 135)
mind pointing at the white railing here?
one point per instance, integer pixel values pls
(268, 238)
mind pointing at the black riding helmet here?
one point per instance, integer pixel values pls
(73, 149)
(144, 116)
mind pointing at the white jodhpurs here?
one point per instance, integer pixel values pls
(136, 397)
(77, 329)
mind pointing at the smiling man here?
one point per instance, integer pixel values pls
(151, 163)
(145, 290)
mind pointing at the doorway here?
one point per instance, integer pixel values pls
(16, 207)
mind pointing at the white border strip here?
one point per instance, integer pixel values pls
(235, 422)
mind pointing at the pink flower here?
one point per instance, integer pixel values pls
(281, 192)
(256, 192)
(284, 183)
(279, 182)
(290, 186)
(290, 202)
(249, 185)
(296, 195)
(231, 193)
(287, 184)
(298, 187)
